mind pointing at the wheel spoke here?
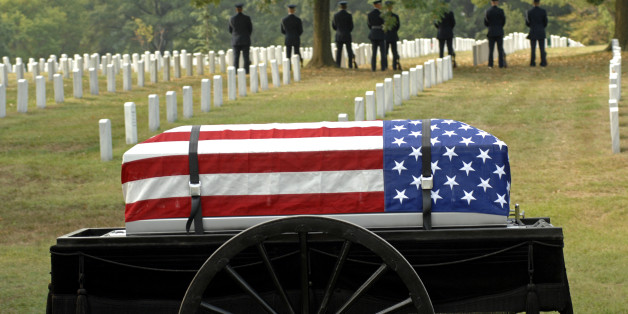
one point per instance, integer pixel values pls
(305, 274)
(344, 252)
(245, 285)
(273, 275)
(397, 306)
(365, 286)
(213, 309)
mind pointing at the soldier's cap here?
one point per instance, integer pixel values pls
(342, 2)
(389, 2)
(292, 6)
(239, 5)
(377, 1)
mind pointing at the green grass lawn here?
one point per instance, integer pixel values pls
(555, 121)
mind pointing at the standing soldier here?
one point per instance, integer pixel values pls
(343, 25)
(377, 36)
(292, 27)
(495, 19)
(536, 19)
(391, 24)
(446, 35)
(240, 27)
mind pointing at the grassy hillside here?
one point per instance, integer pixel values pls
(554, 120)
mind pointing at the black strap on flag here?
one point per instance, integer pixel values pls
(196, 212)
(427, 182)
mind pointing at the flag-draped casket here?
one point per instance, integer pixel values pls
(369, 173)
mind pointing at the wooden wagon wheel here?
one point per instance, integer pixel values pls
(303, 226)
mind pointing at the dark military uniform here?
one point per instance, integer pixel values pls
(342, 23)
(378, 38)
(446, 34)
(392, 37)
(495, 19)
(240, 27)
(537, 21)
(292, 27)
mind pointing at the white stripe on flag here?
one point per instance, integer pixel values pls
(280, 126)
(275, 183)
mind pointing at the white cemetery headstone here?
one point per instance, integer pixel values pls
(275, 73)
(413, 79)
(343, 117)
(22, 96)
(50, 69)
(286, 71)
(612, 91)
(4, 75)
(166, 68)
(19, 71)
(154, 71)
(206, 95)
(253, 78)
(427, 74)
(388, 90)
(200, 65)
(419, 82)
(223, 61)
(77, 84)
(263, 76)
(3, 101)
(126, 77)
(130, 123)
(188, 102)
(359, 109)
(231, 83)
(153, 112)
(111, 78)
(380, 100)
(211, 56)
(141, 82)
(106, 147)
(58, 88)
(171, 106)
(296, 68)
(189, 67)
(371, 110)
(241, 82)
(93, 81)
(40, 91)
(397, 97)
(614, 117)
(405, 85)
(439, 71)
(217, 90)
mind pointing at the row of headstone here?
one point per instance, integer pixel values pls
(614, 89)
(514, 42)
(393, 91)
(406, 48)
(236, 87)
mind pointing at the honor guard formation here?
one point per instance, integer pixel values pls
(383, 34)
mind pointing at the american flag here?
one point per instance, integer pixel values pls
(317, 168)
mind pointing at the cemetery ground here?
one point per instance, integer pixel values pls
(555, 121)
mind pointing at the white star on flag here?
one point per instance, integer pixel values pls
(399, 166)
(415, 134)
(484, 155)
(500, 171)
(435, 167)
(483, 134)
(500, 143)
(501, 199)
(399, 128)
(434, 141)
(465, 127)
(451, 182)
(450, 133)
(435, 196)
(468, 196)
(467, 141)
(415, 122)
(416, 152)
(417, 181)
(400, 196)
(450, 152)
(467, 167)
(448, 122)
(485, 184)
(434, 127)
(399, 141)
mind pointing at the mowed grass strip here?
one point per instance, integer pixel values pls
(555, 121)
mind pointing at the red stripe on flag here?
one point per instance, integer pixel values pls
(259, 205)
(271, 133)
(255, 163)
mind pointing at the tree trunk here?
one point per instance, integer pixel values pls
(321, 55)
(621, 23)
